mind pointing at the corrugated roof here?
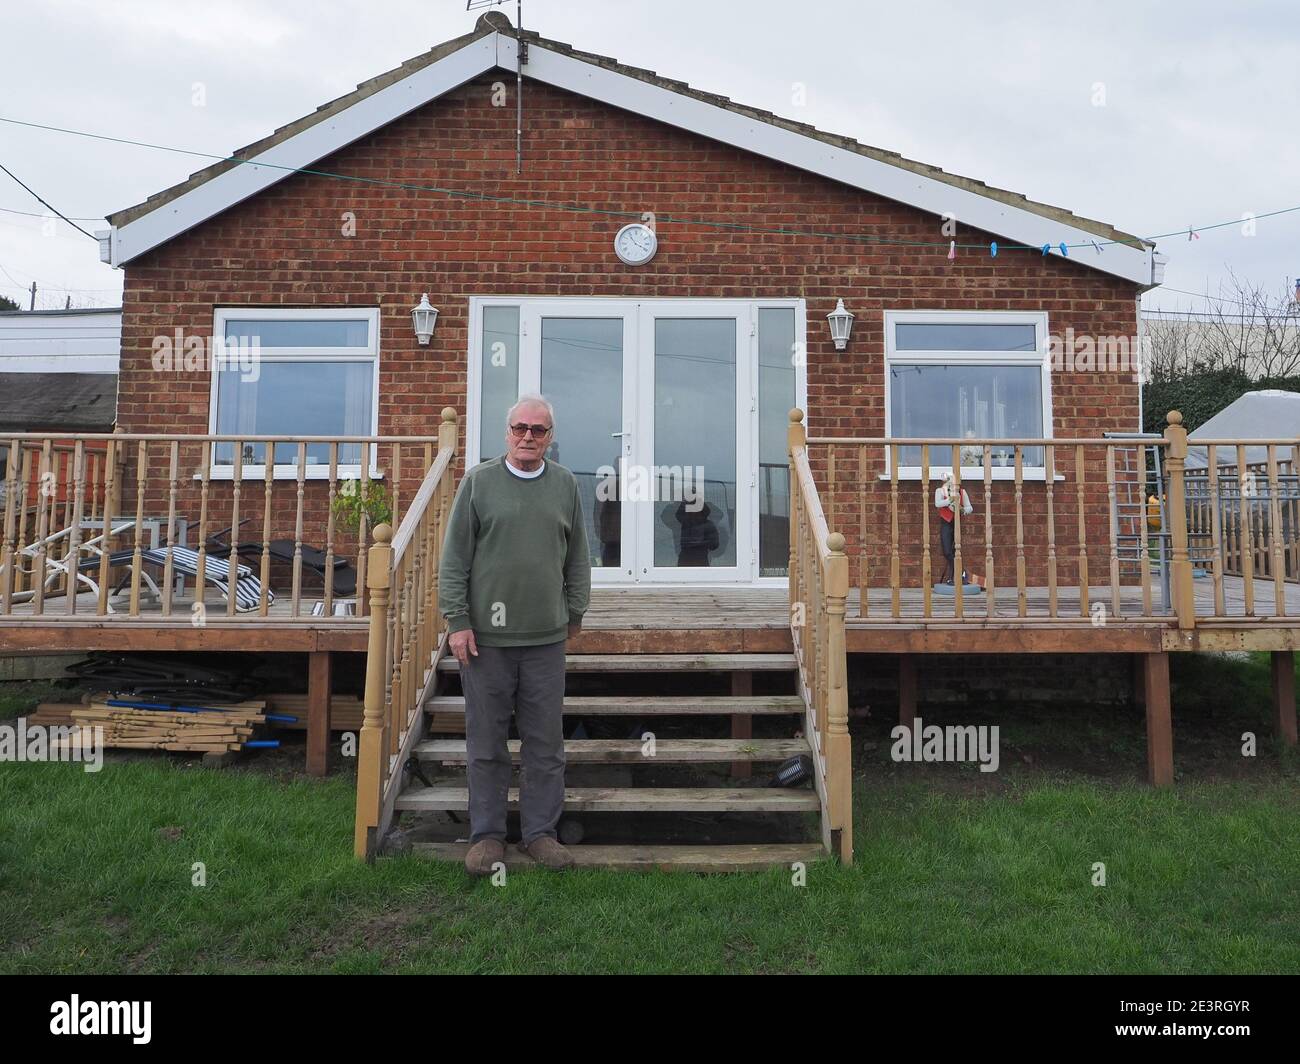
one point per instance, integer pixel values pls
(64, 402)
(1262, 415)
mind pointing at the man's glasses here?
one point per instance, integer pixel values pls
(536, 431)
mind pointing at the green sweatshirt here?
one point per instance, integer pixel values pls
(515, 564)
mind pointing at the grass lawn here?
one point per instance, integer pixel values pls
(955, 872)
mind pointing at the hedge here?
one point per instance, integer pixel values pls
(1199, 397)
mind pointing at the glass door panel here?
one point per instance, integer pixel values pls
(579, 355)
(695, 522)
(582, 376)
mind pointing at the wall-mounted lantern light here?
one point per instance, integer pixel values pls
(841, 325)
(424, 318)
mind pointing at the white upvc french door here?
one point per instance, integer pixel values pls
(670, 412)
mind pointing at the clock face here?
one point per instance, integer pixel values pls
(636, 244)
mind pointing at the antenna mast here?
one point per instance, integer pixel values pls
(521, 57)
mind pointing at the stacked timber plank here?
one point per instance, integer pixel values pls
(209, 730)
(346, 711)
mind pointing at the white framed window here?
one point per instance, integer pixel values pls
(287, 371)
(962, 374)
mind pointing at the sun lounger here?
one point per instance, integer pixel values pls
(216, 571)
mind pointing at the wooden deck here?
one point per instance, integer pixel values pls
(717, 620)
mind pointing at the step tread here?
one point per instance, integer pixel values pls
(664, 662)
(666, 751)
(661, 705)
(632, 799)
(669, 858)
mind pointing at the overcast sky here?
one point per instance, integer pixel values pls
(1199, 101)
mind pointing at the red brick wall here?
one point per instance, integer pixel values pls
(285, 247)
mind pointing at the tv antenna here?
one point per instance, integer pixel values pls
(521, 57)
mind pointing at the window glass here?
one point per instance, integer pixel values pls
(957, 400)
(776, 395)
(582, 377)
(309, 398)
(964, 336)
(299, 332)
(694, 440)
(500, 377)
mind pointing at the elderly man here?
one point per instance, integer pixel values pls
(515, 579)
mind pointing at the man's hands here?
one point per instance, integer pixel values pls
(463, 645)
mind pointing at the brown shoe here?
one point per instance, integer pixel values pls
(483, 855)
(546, 851)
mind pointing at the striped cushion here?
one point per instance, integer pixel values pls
(216, 571)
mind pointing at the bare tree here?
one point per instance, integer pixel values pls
(1251, 330)
(1172, 346)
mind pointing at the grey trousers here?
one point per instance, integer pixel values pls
(528, 683)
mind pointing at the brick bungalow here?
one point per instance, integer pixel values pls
(324, 235)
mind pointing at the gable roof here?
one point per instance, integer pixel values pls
(494, 43)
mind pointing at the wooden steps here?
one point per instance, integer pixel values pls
(655, 705)
(699, 859)
(708, 730)
(632, 751)
(631, 799)
(620, 663)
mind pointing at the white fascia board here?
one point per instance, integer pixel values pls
(303, 149)
(815, 156)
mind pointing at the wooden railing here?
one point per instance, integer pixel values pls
(144, 524)
(407, 637)
(46, 481)
(1062, 529)
(819, 582)
(1246, 525)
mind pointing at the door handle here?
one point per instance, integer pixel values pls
(615, 435)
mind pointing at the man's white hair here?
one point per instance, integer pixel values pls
(531, 399)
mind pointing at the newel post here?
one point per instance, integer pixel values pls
(373, 752)
(839, 759)
(796, 439)
(448, 430)
(1176, 508)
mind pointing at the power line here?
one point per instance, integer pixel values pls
(585, 209)
(33, 214)
(1207, 296)
(45, 203)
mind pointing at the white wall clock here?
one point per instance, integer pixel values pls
(636, 244)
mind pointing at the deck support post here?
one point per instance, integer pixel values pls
(1284, 715)
(319, 672)
(907, 690)
(742, 724)
(1160, 727)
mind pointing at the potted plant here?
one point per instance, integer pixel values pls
(357, 499)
